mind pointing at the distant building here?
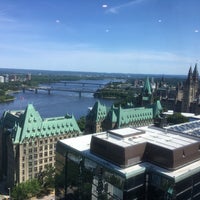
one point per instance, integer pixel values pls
(1, 79)
(185, 97)
(191, 90)
(145, 163)
(102, 118)
(13, 78)
(6, 78)
(28, 77)
(27, 142)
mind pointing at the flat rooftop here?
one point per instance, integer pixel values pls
(81, 144)
(128, 137)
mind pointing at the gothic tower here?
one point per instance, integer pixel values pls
(191, 88)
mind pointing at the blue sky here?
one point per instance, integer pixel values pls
(125, 36)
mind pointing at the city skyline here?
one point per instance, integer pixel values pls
(136, 36)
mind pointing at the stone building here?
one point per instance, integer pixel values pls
(102, 118)
(184, 97)
(28, 142)
(191, 90)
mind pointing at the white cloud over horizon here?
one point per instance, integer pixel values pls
(116, 9)
(95, 60)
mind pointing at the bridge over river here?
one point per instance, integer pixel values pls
(69, 86)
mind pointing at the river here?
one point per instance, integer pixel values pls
(58, 103)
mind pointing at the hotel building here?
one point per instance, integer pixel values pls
(27, 142)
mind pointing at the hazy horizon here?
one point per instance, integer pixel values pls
(132, 36)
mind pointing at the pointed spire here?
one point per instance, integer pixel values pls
(147, 87)
(189, 74)
(195, 73)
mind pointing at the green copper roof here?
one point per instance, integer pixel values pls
(147, 87)
(157, 108)
(112, 115)
(29, 124)
(98, 112)
(127, 116)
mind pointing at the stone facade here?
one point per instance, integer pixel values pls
(29, 142)
(102, 118)
(191, 90)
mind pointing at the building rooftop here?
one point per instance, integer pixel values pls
(82, 145)
(29, 124)
(189, 128)
(129, 137)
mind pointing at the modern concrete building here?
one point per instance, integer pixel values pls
(27, 142)
(144, 163)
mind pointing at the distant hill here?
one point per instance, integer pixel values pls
(89, 74)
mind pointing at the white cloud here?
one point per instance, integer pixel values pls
(116, 9)
(58, 21)
(80, 57)
(196, 31)
(104, 6)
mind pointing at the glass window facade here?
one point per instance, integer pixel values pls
(79, 176)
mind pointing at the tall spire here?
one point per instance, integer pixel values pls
(147, 87)
(190, 75)
(195, 74)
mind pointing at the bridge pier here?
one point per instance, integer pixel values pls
(36, 90)
(49, 91)
(23, 89)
